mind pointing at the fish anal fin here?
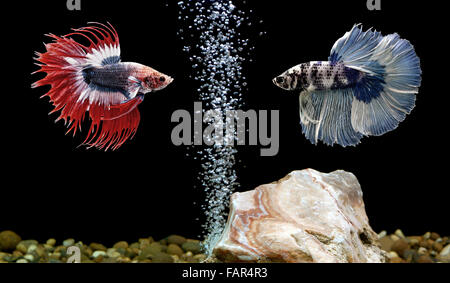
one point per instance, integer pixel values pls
(327, 117)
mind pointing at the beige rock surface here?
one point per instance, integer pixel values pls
(308, 216)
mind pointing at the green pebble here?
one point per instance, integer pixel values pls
(97, 247)
(121, 244)
(161, 257)
(23, 246)
(54, 260)
(134, 246)
(174, 249)
(192, 246)
(176, 239)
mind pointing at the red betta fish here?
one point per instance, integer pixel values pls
(93, 79)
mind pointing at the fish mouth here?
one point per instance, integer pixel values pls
(278, 80)
(276, 83)
(166, 83)
(274, 80)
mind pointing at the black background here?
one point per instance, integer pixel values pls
(52, 188)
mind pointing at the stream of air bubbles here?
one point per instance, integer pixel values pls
(211, 34)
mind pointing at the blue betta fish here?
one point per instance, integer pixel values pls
(366, 88)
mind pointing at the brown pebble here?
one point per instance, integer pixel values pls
(17, 254)
(161, 257)
(425, 244)
(121, 245)
(109, 260)
(121, 251)
(396, 260)
(143, 243)
(84, 257)
(430, 243)
(131, 253)
(98, 259)
(191, 259)
(176, 239)
(40, 251)
(97, 247)
(60, 249)
(414, 240)
(200, 257)
(422, 251)
(49, 248)
(176, 258)
(25, 244)
(134, 245)
(394, 237)
(192, 245)
(437, 246)
(88, 251)
(158, 246)
(400, 246)
(150, 250)
(409, 255)
(123, 260)
(386, 243)
(51, 242)
(434, 236)
(424, 259)
(55, 255)
(8, 240)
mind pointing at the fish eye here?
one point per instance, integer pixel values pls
(279, 80)
(162, 79)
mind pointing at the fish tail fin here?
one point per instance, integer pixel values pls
(110, 129)
(391, 78)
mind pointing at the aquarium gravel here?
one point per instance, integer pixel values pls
(427, 248)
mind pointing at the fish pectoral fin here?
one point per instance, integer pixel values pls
(134, 85)
(306, 108)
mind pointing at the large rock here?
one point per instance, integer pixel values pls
(307, 216)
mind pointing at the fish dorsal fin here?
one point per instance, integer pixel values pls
(104, 48)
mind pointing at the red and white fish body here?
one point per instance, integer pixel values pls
(93, 79)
